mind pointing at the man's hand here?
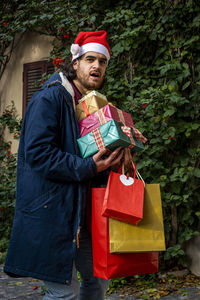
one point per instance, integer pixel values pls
(112, 159)
(126, 159)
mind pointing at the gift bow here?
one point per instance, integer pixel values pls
(127, 130)
(139, 135)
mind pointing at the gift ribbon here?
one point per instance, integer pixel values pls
(98, 138)
(127, 130)
(101, 117)
(85, 108)
(139, 135)
(121, 116)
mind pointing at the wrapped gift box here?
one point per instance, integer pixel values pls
(89, 104)
(109, 135)
(105, 114)
(139, 146)
(136, 145)
(102, 116)
(139, 135)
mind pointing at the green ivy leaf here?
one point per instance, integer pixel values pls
(197, 172)
(169, 112)
(186, 85)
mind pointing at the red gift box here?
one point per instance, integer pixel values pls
(102, 116)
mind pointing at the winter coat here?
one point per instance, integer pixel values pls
(52, 181)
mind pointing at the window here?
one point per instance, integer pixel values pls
(31, 74)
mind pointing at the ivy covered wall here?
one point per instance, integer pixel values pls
(153, 73)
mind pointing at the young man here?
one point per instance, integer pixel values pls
(52, 180)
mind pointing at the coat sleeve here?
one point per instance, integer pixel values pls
(41, 143)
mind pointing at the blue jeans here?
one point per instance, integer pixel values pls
(91, 287)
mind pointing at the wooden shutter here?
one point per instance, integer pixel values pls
(31, 73)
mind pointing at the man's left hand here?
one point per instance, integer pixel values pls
(126, 159)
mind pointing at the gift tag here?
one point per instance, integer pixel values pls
(125, 180)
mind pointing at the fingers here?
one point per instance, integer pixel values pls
(99, 154)
(114, 159)
(114, 155)
(117, 160)
(127, 156)
(103, 164)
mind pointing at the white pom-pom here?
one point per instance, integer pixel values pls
(75, 49)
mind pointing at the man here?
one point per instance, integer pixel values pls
(49, 239)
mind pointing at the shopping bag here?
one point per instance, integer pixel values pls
(106, 265)
(124, 197)
(148, 235)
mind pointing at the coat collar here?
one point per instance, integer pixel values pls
(68, 87)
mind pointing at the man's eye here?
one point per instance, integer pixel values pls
(90, 59)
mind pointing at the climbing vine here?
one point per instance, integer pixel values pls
(153, 74)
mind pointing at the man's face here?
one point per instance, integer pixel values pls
(90, 70)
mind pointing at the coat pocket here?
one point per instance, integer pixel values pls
(48, 204)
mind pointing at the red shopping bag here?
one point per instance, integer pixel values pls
(106, 265)
(124, 197)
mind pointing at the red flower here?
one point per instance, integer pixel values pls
(8, 153)
(170, 137)
(66, 36)
(144, 105)
(57, 61)
(61, 28)
(4, 23)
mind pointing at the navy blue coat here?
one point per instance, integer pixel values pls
(52, 181)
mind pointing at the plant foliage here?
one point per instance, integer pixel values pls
(8, 162)
(153, 73)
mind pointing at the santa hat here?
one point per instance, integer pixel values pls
(90, 41)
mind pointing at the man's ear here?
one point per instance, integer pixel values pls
(75, 64)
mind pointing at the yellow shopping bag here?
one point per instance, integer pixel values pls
(148, 235)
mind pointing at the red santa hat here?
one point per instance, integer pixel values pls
(90, 41)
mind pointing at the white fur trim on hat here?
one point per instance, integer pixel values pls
(75, 48)
(94, 47)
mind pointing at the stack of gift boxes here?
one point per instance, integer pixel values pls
(103, 125)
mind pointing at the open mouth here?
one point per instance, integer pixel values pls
(95, 74)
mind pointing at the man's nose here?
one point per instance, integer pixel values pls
(96, 64)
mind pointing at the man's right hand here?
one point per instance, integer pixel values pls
(112, 159)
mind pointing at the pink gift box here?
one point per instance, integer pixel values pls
(102, 116)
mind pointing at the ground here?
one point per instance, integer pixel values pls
(167, 286)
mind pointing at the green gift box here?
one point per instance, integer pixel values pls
(109, 135)
(139, 146)
(136, 144)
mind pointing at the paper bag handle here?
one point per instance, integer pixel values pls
(123, 171)
(137, 172)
